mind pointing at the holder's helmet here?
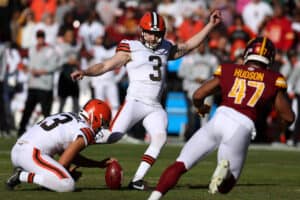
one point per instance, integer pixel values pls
(97, 113)
(260, 49)
(152, 23)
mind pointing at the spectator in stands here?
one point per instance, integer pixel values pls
(90, 30)
(2, 76)
(220, 47)
(39, 8)
(254, 14)
(296, 28)
(191, 25)
(63, 7)
(66, 86)
(239, 34)
(14, 26)
(12, 59)
(127, 24)
(68, 24)
(171, 8)
(68, 61)
(107, 10)
(294, 93)
(171, 29)
(279, 29)
(195, 69)
(239, 6)
(27, 29)
(50, 27)
(282, 63)
(67, 46)
(41, 66)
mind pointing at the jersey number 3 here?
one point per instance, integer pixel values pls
(156, 67)
(55, 122)
(239, 88)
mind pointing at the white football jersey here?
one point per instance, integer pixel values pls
(146, 70)
(53, 134)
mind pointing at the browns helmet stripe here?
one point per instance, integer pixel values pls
(155, 20)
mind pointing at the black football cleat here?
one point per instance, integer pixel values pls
(138, 185)
(14, 179)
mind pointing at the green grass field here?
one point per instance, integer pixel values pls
(267, 175)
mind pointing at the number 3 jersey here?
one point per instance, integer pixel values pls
(248, 89)
(146, 70)
(53, 134)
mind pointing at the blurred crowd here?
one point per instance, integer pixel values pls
(43, 41)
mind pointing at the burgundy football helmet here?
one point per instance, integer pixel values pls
(260, 49)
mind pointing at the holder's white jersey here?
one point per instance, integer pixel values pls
(53, 134)
(146, 70)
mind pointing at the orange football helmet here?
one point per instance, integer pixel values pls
(97, 113)
(152, 23)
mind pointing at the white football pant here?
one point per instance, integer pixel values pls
(229, 131)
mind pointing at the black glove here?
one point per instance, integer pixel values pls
(75, 174)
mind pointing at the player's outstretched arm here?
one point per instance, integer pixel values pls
(71, 152)
(118, 60)
(194, 42)
(72, 156)
(82, 161)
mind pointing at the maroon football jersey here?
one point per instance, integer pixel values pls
(247, 89)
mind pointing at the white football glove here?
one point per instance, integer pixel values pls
(105, 136)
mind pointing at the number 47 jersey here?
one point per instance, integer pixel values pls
(146, 70)
(248, 89)
(53, 134)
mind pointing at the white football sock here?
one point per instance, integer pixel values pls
(155, 195)
(141, 171)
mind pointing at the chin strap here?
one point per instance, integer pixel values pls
(149, 45)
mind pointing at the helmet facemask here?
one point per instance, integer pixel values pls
(158, 37)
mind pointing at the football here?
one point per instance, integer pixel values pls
(114, 175)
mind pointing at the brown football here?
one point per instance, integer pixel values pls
(114, 175)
